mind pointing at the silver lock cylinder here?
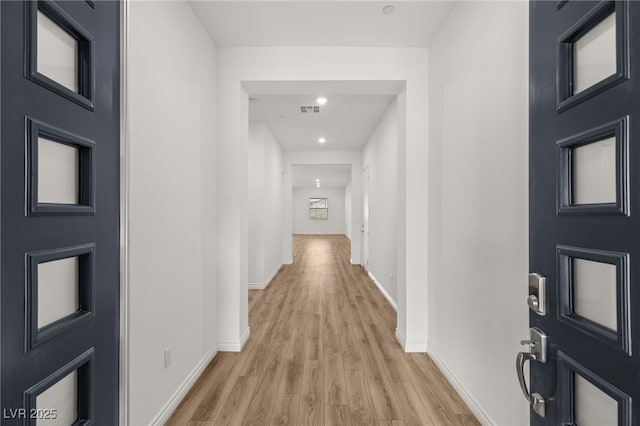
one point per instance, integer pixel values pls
(537, 300)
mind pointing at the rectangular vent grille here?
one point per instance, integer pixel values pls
(313, 108)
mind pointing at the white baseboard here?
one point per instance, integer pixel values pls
(168, 409)
(265, 284)
(386, 295)
(234, 345)
(411, 345)
(245, 336)
(416, 346)
(482, 416)
(400, 338)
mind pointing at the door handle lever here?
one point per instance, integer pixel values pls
(538, 352)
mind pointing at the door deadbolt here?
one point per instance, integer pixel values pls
(537, 299)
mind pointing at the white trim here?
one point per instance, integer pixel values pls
(265, 284)
(245, 336)
(416, 346)
(124, 372)
(384, 292)
(234, 345)
(168, 409)
(482, 416)
(400, 338)
(410, 346)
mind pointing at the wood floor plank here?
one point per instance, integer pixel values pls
(232, 412)
(261, 407)
(336, 415)
(335, 388)
(215, 395)
(291, 381)
(314, 338)
(349, 348)
(446, 396)
(311, 411)
(322, 351)
(361, 410)
(384, 399)
(392, 423)
(393, 367)
(189, 404)
(285, 412)
(413, 410)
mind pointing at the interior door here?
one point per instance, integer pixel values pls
(59, 175)
(584, 213)
(365, 218)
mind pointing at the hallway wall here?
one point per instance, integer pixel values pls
(348, 199)
(380, 155)
(478, 198)
(171, 203)
(265, 205)
(301, 222)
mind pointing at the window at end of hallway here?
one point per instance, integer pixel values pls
(318, 209)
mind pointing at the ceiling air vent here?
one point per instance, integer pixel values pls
(312, 108)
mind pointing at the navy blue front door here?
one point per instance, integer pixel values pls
(59, 174)
(585, 209)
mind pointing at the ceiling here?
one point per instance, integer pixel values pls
(330, 176)
(345, 121)
(321, 23)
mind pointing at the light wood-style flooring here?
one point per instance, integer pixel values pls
(322, 352)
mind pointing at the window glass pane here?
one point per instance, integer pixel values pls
(61, 401)
(592, 406)
(318, 203)
(594, 172)
(318, 214)
(57, 53)
(58, 177)
(58, 294)
(595, 55)
(594, 292)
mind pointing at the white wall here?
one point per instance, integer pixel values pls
(265, 205)
(256, 202)
(380, 155)
(171, 202)
(478, 197)
(347, 210)
(239, 64)
(335, 224)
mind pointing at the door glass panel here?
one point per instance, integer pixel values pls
(592, 406)
(594, 292)
(58, 294)
(594, 172)
(595, 55)
(58, 166)
(57, 53)
(60, 401)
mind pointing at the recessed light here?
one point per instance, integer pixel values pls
(321, 100)
(388, 10)
(317, 180)
(322, 140)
